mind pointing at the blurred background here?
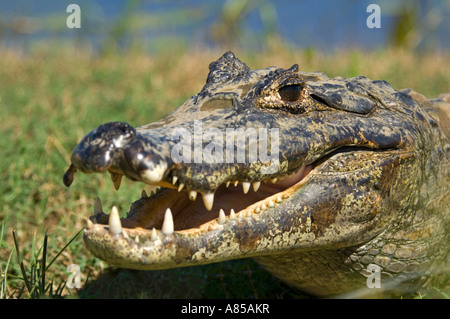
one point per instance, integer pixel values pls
(136, 61)
(154, 25)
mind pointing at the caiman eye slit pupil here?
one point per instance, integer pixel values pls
(290, 93)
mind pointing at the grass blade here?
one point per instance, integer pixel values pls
(60, 252)
(21, 265)
(43, 260)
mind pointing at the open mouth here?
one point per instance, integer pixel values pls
(173, 209)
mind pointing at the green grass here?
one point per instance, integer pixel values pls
(50, 98)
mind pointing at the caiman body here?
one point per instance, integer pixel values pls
(317, 179)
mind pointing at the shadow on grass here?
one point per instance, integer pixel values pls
(243, 279)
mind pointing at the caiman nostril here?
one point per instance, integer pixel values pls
(115, 132)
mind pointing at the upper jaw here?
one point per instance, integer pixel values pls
(147, 154)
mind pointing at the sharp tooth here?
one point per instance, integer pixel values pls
(98, 206)
(144, 194)
(154, 189)
(279, 200)
(208, 200)
(154, 235)
(232, 214)
(271, 204)
(117, 179)
(136, 239)
(257, 210)
(274, 180)
(174, 180)
(228, 183)
(192, 195)
(236, 183)
(68, 175)
(222, 218)
(263, 207)
(245, 187)
(167, 227)
(89, 224)
(115, 227)
(256, 186)
(180, 187)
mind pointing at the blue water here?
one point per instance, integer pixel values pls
(323, 24)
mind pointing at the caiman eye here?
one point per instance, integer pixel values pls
(290, 93)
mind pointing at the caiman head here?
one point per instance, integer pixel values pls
(265, 163)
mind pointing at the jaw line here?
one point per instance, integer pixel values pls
(281, 193)
(145, 249)
(259, 227)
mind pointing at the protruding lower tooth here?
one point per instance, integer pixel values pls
(136, 239)
(279, 199)
(167, 227)
(144, 194)
(174, 180)
(232, 214)
(271, 204)
(245, 187)
(208, 200)
(192, 195)
(255, 186)
(222, 218)
(117, 179)
(154, 235)
(115, 227)
(257, 210)
(180, 187)
(263, 207)
(98, 206)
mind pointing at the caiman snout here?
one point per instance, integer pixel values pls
(116, 147)
(96, 151)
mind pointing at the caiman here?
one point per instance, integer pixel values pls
(329, 184)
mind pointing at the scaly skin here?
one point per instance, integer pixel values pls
(360, 177)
